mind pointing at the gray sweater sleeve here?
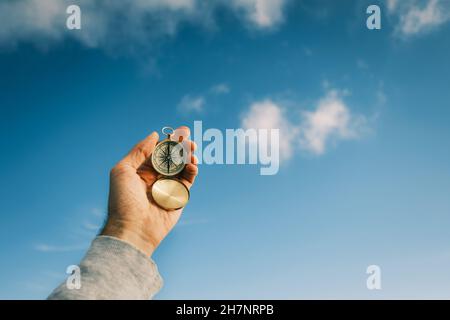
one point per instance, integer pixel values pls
(113, 269)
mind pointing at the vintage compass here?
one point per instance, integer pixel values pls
(168, 159)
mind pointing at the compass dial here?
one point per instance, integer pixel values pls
(168, 158)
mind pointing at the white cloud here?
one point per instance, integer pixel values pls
(31, 20)
(124, 24)
(79, 235)
(362, 64)
(314, 131)
(392, 5)
(196, 103)
(42, 247)
(331, 121)
(189, 104)
(267, 114)
(91, 226)
(381, 97)
(262, 13)
(97, 212)
(221, 88)
(416, 17)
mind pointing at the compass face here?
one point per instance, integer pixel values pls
(168, 159)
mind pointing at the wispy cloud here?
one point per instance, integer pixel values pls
(418, 17)
(381, 97)
(97, 212)
(267, 114)
(392, 5)
(221, 88)
(329, 122)
(125, 24)
(261, 13)
(189, 104)
(362, 64)
(78, 237)
(91, 226)
(43, 247)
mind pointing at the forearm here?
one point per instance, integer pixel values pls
(113, 269)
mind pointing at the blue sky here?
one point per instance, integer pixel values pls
(370, 189)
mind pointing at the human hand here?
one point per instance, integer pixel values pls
(133, 216)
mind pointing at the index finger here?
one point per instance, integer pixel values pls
(180, 134)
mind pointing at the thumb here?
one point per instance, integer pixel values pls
(142, 150)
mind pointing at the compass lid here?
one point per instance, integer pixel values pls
(170, 194)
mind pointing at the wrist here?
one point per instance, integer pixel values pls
(130, 235)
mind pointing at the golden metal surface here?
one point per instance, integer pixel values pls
(170, 194)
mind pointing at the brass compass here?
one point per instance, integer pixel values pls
(168, 159)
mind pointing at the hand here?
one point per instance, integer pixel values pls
(132, 214)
